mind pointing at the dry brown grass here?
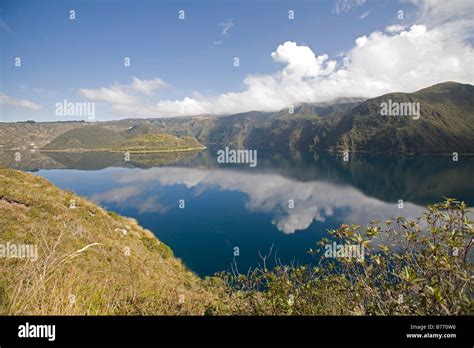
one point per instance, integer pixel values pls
(82, 256)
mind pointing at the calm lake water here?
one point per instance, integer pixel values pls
(229, 206)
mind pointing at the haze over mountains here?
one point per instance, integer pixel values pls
(445, 124)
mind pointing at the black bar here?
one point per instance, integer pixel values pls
(242, 330)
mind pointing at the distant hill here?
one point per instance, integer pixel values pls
(286, 129)
(98, 138)
(161, 143)
(87, 137)
(445, 125)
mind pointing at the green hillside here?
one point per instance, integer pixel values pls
(161, 143)
(445, 124)
(87, 137)
(96, 138)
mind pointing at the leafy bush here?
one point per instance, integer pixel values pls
(411, 267)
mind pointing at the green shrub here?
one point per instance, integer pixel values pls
(411, 267)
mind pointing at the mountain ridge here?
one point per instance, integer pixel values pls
(445, 125)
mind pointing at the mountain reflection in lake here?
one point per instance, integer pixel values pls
(228, 206)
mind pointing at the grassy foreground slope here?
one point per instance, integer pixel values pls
(89, 261)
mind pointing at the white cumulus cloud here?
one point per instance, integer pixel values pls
(122, 95)
(147, 86)
(17, 103)
(114, 94)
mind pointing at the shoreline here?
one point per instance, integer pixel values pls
(329, 151)
(122, 151)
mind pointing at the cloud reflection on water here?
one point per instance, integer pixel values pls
(267, 193)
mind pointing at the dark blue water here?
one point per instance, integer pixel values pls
(235, 206)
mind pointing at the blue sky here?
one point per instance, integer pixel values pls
(61, 56)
